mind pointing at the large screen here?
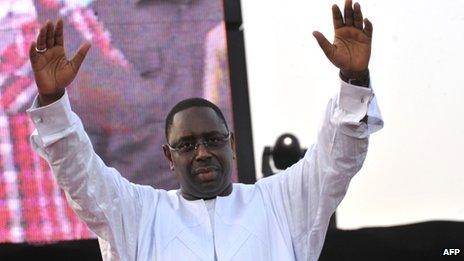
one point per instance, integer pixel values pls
(147, 55)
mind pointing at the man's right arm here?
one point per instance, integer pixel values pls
(109, 204)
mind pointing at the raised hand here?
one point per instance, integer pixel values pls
(351, 49)
(52, 70)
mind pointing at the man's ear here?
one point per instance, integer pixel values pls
(168, 155)
(232, 144)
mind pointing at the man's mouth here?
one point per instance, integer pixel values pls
(206, 174)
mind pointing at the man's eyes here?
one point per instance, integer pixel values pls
(191, 144)
(209, 141)
(213, 139)
(186, 144)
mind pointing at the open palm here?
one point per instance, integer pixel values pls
(351, 48)
(52, 70)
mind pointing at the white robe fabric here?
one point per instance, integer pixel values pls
(282, 217)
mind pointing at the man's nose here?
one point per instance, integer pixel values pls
(201, 152)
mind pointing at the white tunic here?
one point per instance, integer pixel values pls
(282, 217)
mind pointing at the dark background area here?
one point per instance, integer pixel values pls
(239, 87)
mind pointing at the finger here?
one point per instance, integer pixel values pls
(348, 13)
(42, 38)
(357, 16)
(368, 28)
(33, 52)
(59, 39)
(325, 45)
(50, 35)
(77, 60)
(337, 17)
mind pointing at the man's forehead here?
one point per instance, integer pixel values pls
(196, 120)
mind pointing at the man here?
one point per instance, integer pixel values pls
(283, 217)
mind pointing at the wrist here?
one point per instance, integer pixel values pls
(360, 78)
(46, 99)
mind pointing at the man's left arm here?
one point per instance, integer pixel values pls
(306, 194)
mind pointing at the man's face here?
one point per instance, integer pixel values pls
(203, 172)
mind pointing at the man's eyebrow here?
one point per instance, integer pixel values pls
(205, 134)
(186, 137)
(210, 133)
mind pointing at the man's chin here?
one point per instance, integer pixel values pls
(212, 189)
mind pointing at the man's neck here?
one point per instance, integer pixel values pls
(226, 192)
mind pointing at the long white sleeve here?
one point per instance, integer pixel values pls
(305, 195)
(109, 204)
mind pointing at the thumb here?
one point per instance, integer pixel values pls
(325, 45)
(79, 57)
